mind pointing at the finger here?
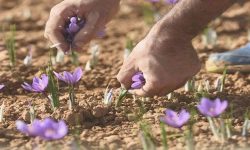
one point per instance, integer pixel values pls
(125, 76)
(148, 90)
(87, 32)
(54, 30)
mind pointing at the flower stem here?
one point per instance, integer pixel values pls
(50, 100)
(71, 97)
(164, 136)
(213, 128)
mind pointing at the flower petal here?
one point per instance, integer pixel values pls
(1, 86)
(68, 77)
(137, 85)
(59, 76)
(27, 87)
(45, 80)
(77, 74)
(21, 126)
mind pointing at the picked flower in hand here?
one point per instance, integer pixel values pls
(74, 26)
(211, 108)
(138, 81)
(38, 85)
(174, 119)
(47, 129)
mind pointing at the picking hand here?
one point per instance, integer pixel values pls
(97, 14)
(167, 62)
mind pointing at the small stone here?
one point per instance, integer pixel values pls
(131, 117)
(26, 115)
(131, 145)
(74, 118)
(113, 139)
(99, 111)
(113, 146)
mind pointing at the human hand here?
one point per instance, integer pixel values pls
(97, 14)
(166, 61)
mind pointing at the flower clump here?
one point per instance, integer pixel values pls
(46, 129)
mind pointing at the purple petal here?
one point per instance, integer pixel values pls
(68, 77)
(27, 87)
(137, 85)
(73, 19)
(54, 130)
(1, 86)
(21, 126)
(62, 130)
(36, 80)
(184, 116)
(37, 87)
(170, 113)
(73, 28)
(175, 120)
(59, 76)
(138, 77)
(211, 108)
(45, 80)
(77, 74)
(172, 1)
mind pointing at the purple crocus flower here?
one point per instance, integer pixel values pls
(211, 108)
(74, 26)
(172, 1)
(138, 81)
(38, 85)
(1, 86)
(47, 129)
(69, 78)
(174, 119)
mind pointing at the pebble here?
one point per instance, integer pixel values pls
(113, 146)
(26, 115)
(132, 145)
(113, 138)
(99, 111)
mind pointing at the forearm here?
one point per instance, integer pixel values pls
(189, 17)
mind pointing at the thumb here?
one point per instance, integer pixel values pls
(87, 32)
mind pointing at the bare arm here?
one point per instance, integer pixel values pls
(166, 55)
(189, 17)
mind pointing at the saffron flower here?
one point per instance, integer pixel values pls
(69, 78)
(47, 129)
(172, 1)
(75, 24)
(174, 119)
(138, 81)
(211, 108)
(1, 86)
(38, 85)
